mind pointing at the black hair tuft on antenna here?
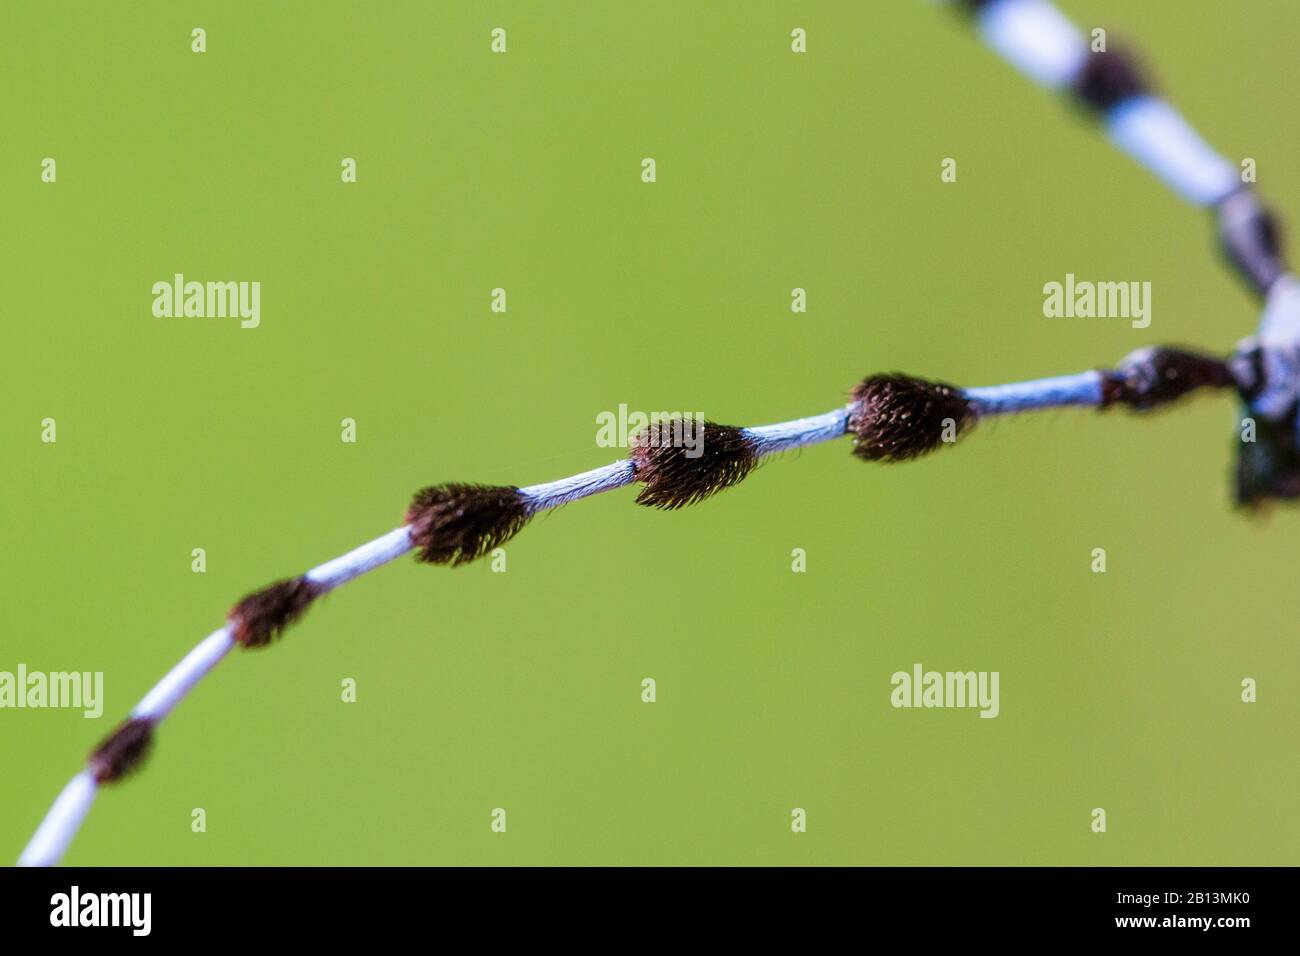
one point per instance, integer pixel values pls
(682, 461)
(264, 615)
(457, 523)
(898, 417)
(1109, 78)
(122, 751)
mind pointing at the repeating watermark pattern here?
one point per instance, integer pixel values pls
(213, 300)
(890, 420)
(922, 688)
(74, 908)
(684, 430)
(82, 690)
(892, 417)
(1084, 299)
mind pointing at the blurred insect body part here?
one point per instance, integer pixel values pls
(1038, 40)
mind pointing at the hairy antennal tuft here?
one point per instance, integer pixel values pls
(682, 462)
(898, 417)
(1109, 78)
(122, 751)
(264, 615)
(893, 417)
(457, 523)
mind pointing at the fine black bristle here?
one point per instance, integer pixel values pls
(264, 615)
(1109, 78)
(456, 523)
(1151, 377)
(678, 473)
(122, 751)
(897, 417)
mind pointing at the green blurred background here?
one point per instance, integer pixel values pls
(522, 690)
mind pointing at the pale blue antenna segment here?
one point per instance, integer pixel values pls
(1060, 392)
(1157, 136)
(785, 436)
(552, 494)
(1036, 39)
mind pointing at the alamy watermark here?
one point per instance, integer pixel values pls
(74, 689)
(922, 688)
(213, 300)
(1082, 299)
(133, 911)
(674, 429)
